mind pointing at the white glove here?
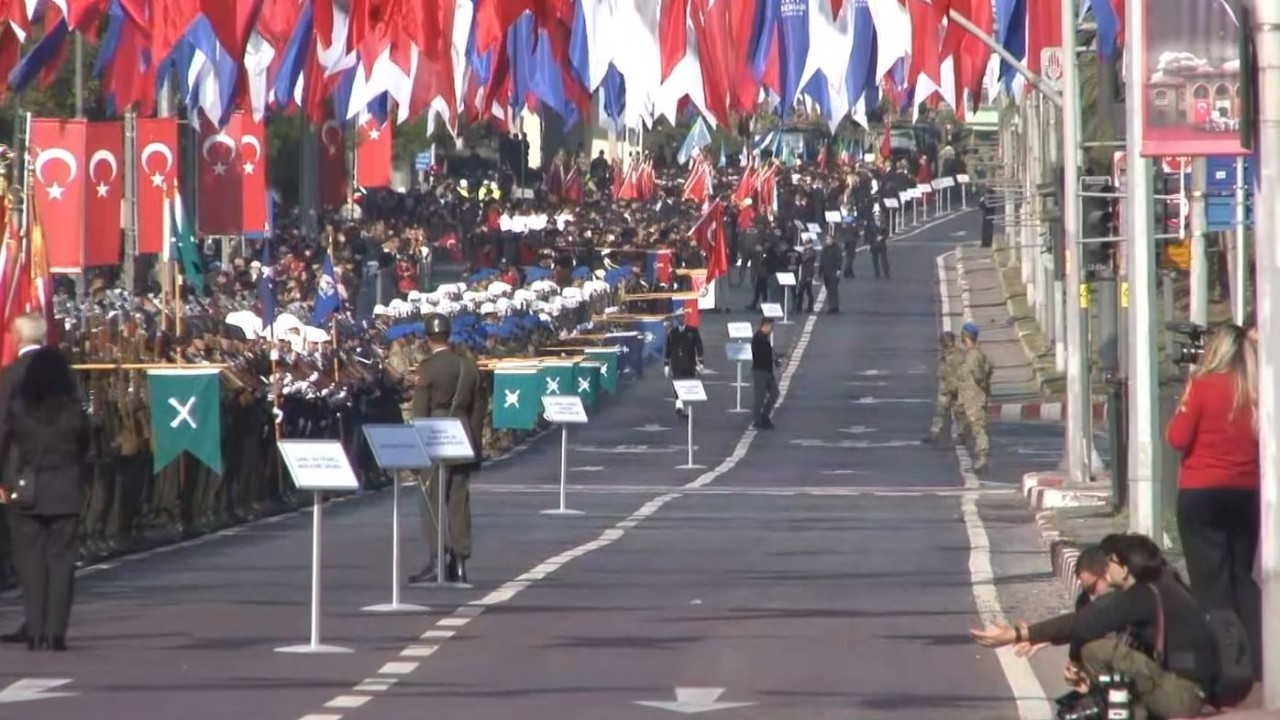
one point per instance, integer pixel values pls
(699, 369)
(666, 371)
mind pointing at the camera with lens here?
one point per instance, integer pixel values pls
(1110, 698)
(1191, 350)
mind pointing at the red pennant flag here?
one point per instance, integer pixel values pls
(334, 178)
(673, 34)
(250, 136)
(1044, 29)
(373, 154)
(219, 194)
(709, 234)
(157, 163)
(57, 151)
(232, 21)
(104, 146)
(926, 21)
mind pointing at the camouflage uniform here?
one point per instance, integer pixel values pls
(972, 391)
(949, 362)
(403, 360)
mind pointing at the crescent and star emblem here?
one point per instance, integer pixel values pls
(108, 157)
(331, 145)
(254, 143)
(157, 176)
(219, 167)
(55, 155)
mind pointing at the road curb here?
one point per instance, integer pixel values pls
(1049, 411)
(1049, 491)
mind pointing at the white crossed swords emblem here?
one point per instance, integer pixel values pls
(184, 412)
(584, 385)
(511, 399)
(553, 386)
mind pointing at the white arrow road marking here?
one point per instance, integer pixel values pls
(651, 427)
(34, 689)
(690, 701)
(855, 443)
(882, 401)
(857, 429)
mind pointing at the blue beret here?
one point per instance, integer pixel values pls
(970, 329)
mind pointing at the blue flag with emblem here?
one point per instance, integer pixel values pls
(654, 333)
(630, 352)
(327, 300)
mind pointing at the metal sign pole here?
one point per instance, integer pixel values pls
(737, 386)
(564, 475)
(395, 605)
(314, 646)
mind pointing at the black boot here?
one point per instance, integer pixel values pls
(457, 569)
(427, 575)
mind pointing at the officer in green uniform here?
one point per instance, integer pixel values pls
(449, 385)
(972, 391)
(950, 358)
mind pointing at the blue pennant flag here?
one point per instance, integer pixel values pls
(327, 299)
(295, 58)
(1011, 28)
(793, 50)
(862, 61)
(614, 89)
(654, 333)
(45, 52)
(267, 286)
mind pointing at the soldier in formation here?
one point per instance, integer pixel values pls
(972, 390)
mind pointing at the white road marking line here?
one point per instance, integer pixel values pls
(1028, 693)
(375, 684)
(419, 651)
(615, 533)
(348, 701)
(437, 635)
(453, 621)
(325, 716)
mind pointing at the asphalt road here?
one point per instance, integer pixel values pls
(827, 569)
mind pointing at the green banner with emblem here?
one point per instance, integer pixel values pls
(586, 382)
(557, 378)
(517, 399)
(186, 415)
(608, 359)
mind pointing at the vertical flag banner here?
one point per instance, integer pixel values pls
(334, 176)
(1191, 88)
(57, 152)
(517, 399)
(557, 378)
(608, 359)
(218, 178)
(586, 382)
(251, 142)
(104, 177)
(373, 153)
(157, 163)
(186, 415)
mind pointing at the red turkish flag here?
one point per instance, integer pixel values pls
(334, 178)
(673, 34)
(104, 177)
(218, 180)
(373, 154)
(926, 42)
(250, 136)
(715, 48)
(1044, 29)
(157, 163)
(57, 151)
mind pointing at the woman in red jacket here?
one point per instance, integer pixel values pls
(1216, 429)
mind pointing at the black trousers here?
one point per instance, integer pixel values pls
(880, 258)
(833, 292)
(765, 395)
(1219, 531)
(761, 292)
(44, 551)
(802, 290)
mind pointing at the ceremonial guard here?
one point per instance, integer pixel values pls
(950, 358)
(878, 237)
(972, 391)
(829, 270)
(683, 359)
(449, 385)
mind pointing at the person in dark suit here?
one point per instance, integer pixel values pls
(449, 385)
(683, 359)
(44, 438)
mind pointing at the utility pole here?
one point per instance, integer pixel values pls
(1240, 253)
(82, 279)
(1145, 498)
(1267, 214)
(130, 215)
(1079, 411)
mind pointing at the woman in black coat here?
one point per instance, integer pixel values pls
(44, 441)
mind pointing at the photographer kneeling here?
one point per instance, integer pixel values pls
(1151, 630)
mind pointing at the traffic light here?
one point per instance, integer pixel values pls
(1167, 209)
(1097, 224)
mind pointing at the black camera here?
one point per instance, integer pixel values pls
(1110, 698)
(1191, 350)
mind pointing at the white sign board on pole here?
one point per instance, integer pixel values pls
(564, 409)
(444, 439)
(962, 179)
(786, 279)
(947, 182)
(690, 390)
(771, 310)
(935, 184)
(924, 189)
(396, 447)
(738, 351)
(740, 330)
(905, 197)
(891, 203)
(814, 228)
(318, 465)
(832, 216)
